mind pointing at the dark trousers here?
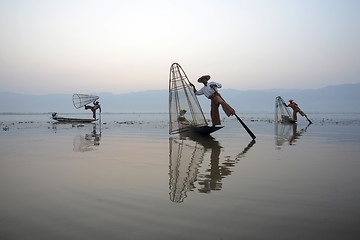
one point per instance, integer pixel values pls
(216, 101)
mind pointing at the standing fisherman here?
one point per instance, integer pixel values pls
(210, 91)
(296, 110)
(94, 108)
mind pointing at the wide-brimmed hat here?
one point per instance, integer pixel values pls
(205, 77)
(291, 100)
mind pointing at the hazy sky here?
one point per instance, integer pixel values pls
(125, 46)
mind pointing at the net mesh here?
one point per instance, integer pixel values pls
(282, 113)
(81, 100)
(184, 109)
(185, 159)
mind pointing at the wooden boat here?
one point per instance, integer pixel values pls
(72, 120)
(79, 101)
(206, 129)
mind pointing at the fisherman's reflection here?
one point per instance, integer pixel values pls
(211, 180)
(186, 157)
(287, 133)
(87, 142)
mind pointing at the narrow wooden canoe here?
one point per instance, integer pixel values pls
(74, 120)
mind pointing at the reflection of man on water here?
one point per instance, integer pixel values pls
(87, 142)
(95, 136)
(287, 132)
(295, 134)
(186, 156)
(212, 181)
(219, 171)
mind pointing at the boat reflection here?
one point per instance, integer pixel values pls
(87, 142)
(287, 132)
(187, 154)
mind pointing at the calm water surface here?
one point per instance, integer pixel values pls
(128, 179)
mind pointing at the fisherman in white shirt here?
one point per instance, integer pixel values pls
(210, 91)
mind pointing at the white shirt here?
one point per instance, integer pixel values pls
(207, 90)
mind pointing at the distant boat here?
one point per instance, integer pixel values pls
(79, 101)
(185, 113)
(72, 120)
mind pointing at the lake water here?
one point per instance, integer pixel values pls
(128, 179)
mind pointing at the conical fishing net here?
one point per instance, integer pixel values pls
(282, 113)
(184, 109)
(81, 100)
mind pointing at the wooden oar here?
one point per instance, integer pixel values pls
(252, 135)
(246, 127)
(308, 119)
(305, 115)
